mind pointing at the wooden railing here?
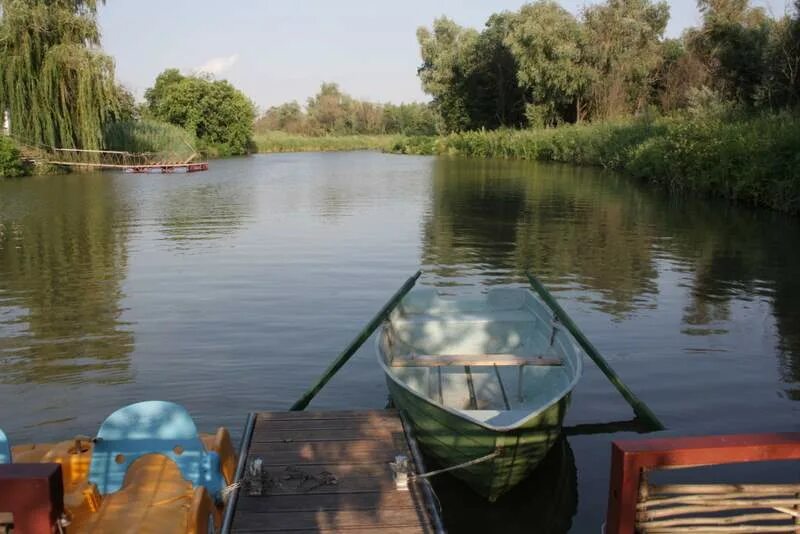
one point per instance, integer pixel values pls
(636, 506)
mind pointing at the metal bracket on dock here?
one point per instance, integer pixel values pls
(255, 476)
(400, 470)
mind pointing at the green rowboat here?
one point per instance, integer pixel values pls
(484, 382)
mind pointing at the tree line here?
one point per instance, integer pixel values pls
(58, 90)
(543, 66)
(333, 112)
(538, 66)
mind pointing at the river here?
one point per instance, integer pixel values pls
(231, 290)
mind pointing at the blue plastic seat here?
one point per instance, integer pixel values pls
(152, 427)
(5, 449)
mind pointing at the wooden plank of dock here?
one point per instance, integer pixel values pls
(329, 472)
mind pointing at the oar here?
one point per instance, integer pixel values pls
(354, 345)
(639, 407)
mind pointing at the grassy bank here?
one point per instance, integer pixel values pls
(754, 160)
(284, 142)
(11, 164)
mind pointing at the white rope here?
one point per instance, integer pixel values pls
(429, 474)
(227, 490)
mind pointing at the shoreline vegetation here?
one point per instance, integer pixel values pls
(277, 141)
(713, 112)
(754, 160)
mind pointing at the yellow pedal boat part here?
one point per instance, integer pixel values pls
(154, 498)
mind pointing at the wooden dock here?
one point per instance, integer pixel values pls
(328, 472)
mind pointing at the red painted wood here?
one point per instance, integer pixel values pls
(34, 494)
(630, 457)
(623, 491)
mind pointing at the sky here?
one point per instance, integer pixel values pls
(278, 51)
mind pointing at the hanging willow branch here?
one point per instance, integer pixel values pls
(57, 86)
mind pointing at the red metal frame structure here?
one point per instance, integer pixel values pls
(34, 495)
(630, 458)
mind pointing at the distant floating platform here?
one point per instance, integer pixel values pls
(172, 168)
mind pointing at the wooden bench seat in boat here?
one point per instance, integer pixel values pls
(472, 360)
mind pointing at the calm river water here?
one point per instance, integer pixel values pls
(231, 290)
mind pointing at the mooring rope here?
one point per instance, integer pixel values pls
(495, 453)
(227, 490)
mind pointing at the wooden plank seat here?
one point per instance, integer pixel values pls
(473, 360)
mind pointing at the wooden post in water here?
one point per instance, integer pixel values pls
(639, 408)
(354, 345)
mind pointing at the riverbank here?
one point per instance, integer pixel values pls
(755, 160)
(11, 162)
(276, 141)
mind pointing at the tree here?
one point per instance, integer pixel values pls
(156, 95)
(499, 97)
(333, 112)
(472, 76)
(410, 119)
(733, 43)
(367, 117)
(680, 75)
(442, 73)
(780, 82)
(288, 117)
(330, 109)
(546, 42)
(623, 50)
(57, 86)
(218, 114)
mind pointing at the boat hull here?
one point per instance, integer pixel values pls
(485, 382)
(451, 440)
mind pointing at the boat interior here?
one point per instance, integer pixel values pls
(496, 359)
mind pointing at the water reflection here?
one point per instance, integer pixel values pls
(192, 213)
(495, 219)
(62, 261)
(614, 241)
(693, 301)
(544, 503)
(739, 254)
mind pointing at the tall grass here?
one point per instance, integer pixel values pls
(750, 159)
(275, 141)
(144, 136)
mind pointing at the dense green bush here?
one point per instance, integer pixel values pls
(214, 111)
(754, 159)
(11, 163)
(420, 145)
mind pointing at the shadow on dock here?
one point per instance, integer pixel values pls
(329, 472)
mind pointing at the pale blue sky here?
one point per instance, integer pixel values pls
(277, 51)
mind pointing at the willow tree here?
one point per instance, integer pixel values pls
(547, 42)
(55, 83)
